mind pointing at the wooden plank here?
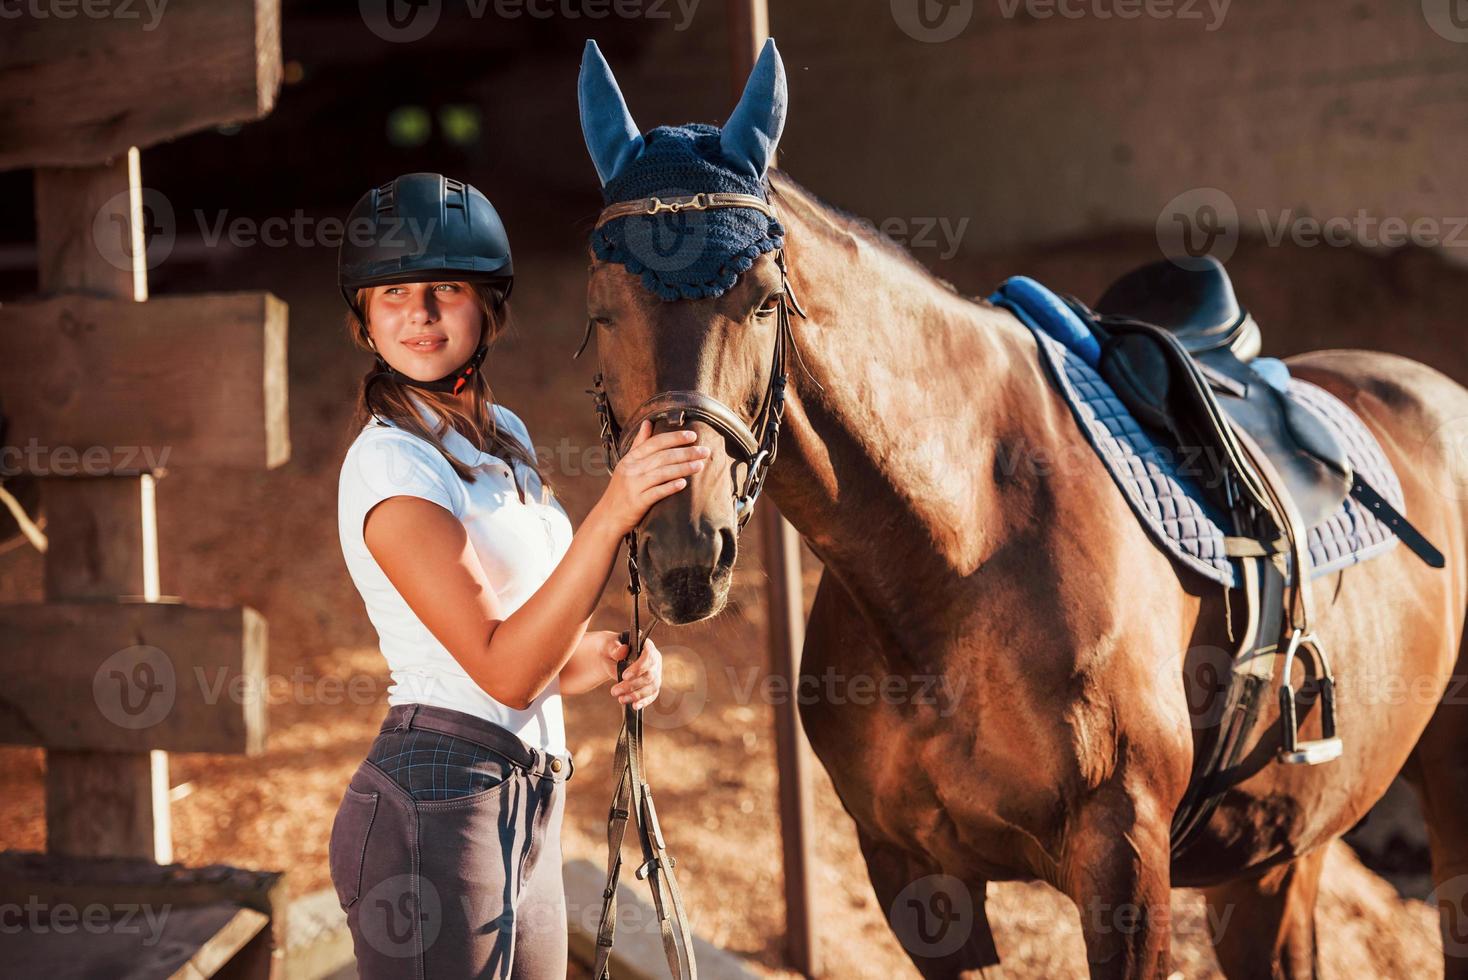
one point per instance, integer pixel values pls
(96, 386)
(107, 804)
(85, 229)
(70, 943)
(130, 677)
(98, 537)
(60, 878)
(80, 90)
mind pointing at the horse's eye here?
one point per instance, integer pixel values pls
(769, 306)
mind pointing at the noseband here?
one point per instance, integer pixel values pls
(756, 446)
(756, 443)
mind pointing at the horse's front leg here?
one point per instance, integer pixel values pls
(940, 919)
(1115, 867)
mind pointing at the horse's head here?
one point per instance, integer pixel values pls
(687, 298)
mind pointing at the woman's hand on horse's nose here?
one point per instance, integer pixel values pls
(643, 678)
(657, 466)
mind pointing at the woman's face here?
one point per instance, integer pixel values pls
(424, 329)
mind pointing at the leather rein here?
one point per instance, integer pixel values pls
(756, 446)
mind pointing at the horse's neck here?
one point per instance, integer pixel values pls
(893, 469)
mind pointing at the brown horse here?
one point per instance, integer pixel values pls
(1033, 591)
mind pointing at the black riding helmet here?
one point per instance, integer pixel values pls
(420, 227)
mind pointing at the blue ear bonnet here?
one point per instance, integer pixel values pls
(692, 254)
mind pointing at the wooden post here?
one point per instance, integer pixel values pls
(102, 390)
(98, 803)
(749, 26)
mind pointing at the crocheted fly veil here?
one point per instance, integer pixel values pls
(687, 254)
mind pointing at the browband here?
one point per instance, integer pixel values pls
(673, 205)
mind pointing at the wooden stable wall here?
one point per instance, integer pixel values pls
(1042, 129)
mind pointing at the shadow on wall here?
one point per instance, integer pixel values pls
(1411, 301)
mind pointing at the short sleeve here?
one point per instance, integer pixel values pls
(385, 464)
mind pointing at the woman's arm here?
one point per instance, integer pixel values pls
(594, 662)
(426, 554)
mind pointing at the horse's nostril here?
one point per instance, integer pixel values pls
(727, 550)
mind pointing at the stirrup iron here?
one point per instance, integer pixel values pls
(1328, 747)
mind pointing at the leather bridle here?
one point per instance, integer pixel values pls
(756, 446)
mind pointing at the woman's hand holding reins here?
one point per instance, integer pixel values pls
(656, 467)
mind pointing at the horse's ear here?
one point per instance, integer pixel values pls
(753, 130)
(612, 137)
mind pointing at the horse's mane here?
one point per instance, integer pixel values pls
(857, 226)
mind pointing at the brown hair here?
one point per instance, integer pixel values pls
(389, 399)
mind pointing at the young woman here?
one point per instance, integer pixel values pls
(445, 851)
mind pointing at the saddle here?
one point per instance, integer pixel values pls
(1177, 348)
(1183, 356)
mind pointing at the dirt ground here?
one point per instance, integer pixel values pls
(270, 542)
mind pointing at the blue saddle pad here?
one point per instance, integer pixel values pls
(1170, 505)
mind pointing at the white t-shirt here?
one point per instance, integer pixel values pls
(518, 544)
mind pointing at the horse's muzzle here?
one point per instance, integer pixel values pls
(686, 572)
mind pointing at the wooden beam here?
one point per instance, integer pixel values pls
(80, 90)
(86, 223)
(130, 677)
(48, 881)
(96, 386)
(99, 803)
(100, 544)
(749, 26)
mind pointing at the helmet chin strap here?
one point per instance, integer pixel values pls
(452, 383)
